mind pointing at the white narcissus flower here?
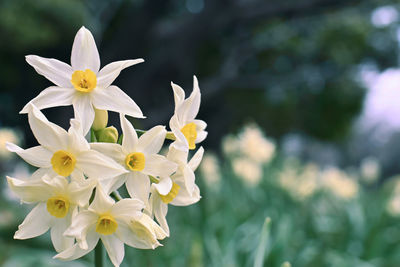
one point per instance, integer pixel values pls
(57, 203)
(64, 153)
(179, 189)
(139, 157)
(83, 84)
(106, 220)
(146, 233)
(187, 130)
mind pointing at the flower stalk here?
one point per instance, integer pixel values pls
(98, 255)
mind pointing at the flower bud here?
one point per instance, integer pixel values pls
(107, 135)
(100, 119)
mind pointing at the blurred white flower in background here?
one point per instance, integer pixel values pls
(301, 184)
(308, 181)
(255, 145)
(370, 170)
(249, 171)
(8, 135)
(230, 145)
(21, 171)
(249, 151)
(339, 183)
(210, 170)
(393, 204)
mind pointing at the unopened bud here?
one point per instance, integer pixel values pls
(100, 119)
(107, 135)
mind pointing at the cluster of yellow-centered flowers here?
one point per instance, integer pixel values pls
(81, 171)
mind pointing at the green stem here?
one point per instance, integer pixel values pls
(169, 135)
(98, 251)
(115, 195)
(98, 255)
(140, 132)
(153, 179)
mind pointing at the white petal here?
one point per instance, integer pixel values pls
(76, 252)
(110, 185)
(37, 156)
(101, 203)
(111, 150)
(57, 184)
(84, 53)
(138, 186)
(184, 199)
(179, 95)
(190, 107)
(84, 111)
(61, 242)
(36, 223)
(114, 99)
(160, 210)
(164, 186)
(54, 70)
(144, 237)
(39, 173)
(80, 192)
(96, 165)
(196, 159)
(47, 133)
(151, 141)
(51, 97)
(200, 125)
(127, 208)
(77, 141)
(80, 227)
(181, 143)
(30, 191)
(189, 178)
(132, 239)
(115, 248)
(111, 71)
(157, 165)
(158, 231)
(129, 139)
(177, 155)
(77, 176)
(201, 136)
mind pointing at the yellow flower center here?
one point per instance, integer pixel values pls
(189, 131)
(135, 161)
(58, 206)
(84, 81)
(106, 224)
(171, 195)
(63, 162)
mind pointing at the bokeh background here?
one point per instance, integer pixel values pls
(302, 101)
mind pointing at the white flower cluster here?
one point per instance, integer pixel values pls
(75, 185)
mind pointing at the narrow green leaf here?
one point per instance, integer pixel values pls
(262, 249)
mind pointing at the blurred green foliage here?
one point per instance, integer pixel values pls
(267, 222)
(289, 66)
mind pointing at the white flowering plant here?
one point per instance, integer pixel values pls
(79, 173)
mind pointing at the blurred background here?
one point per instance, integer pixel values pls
(302, 101)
